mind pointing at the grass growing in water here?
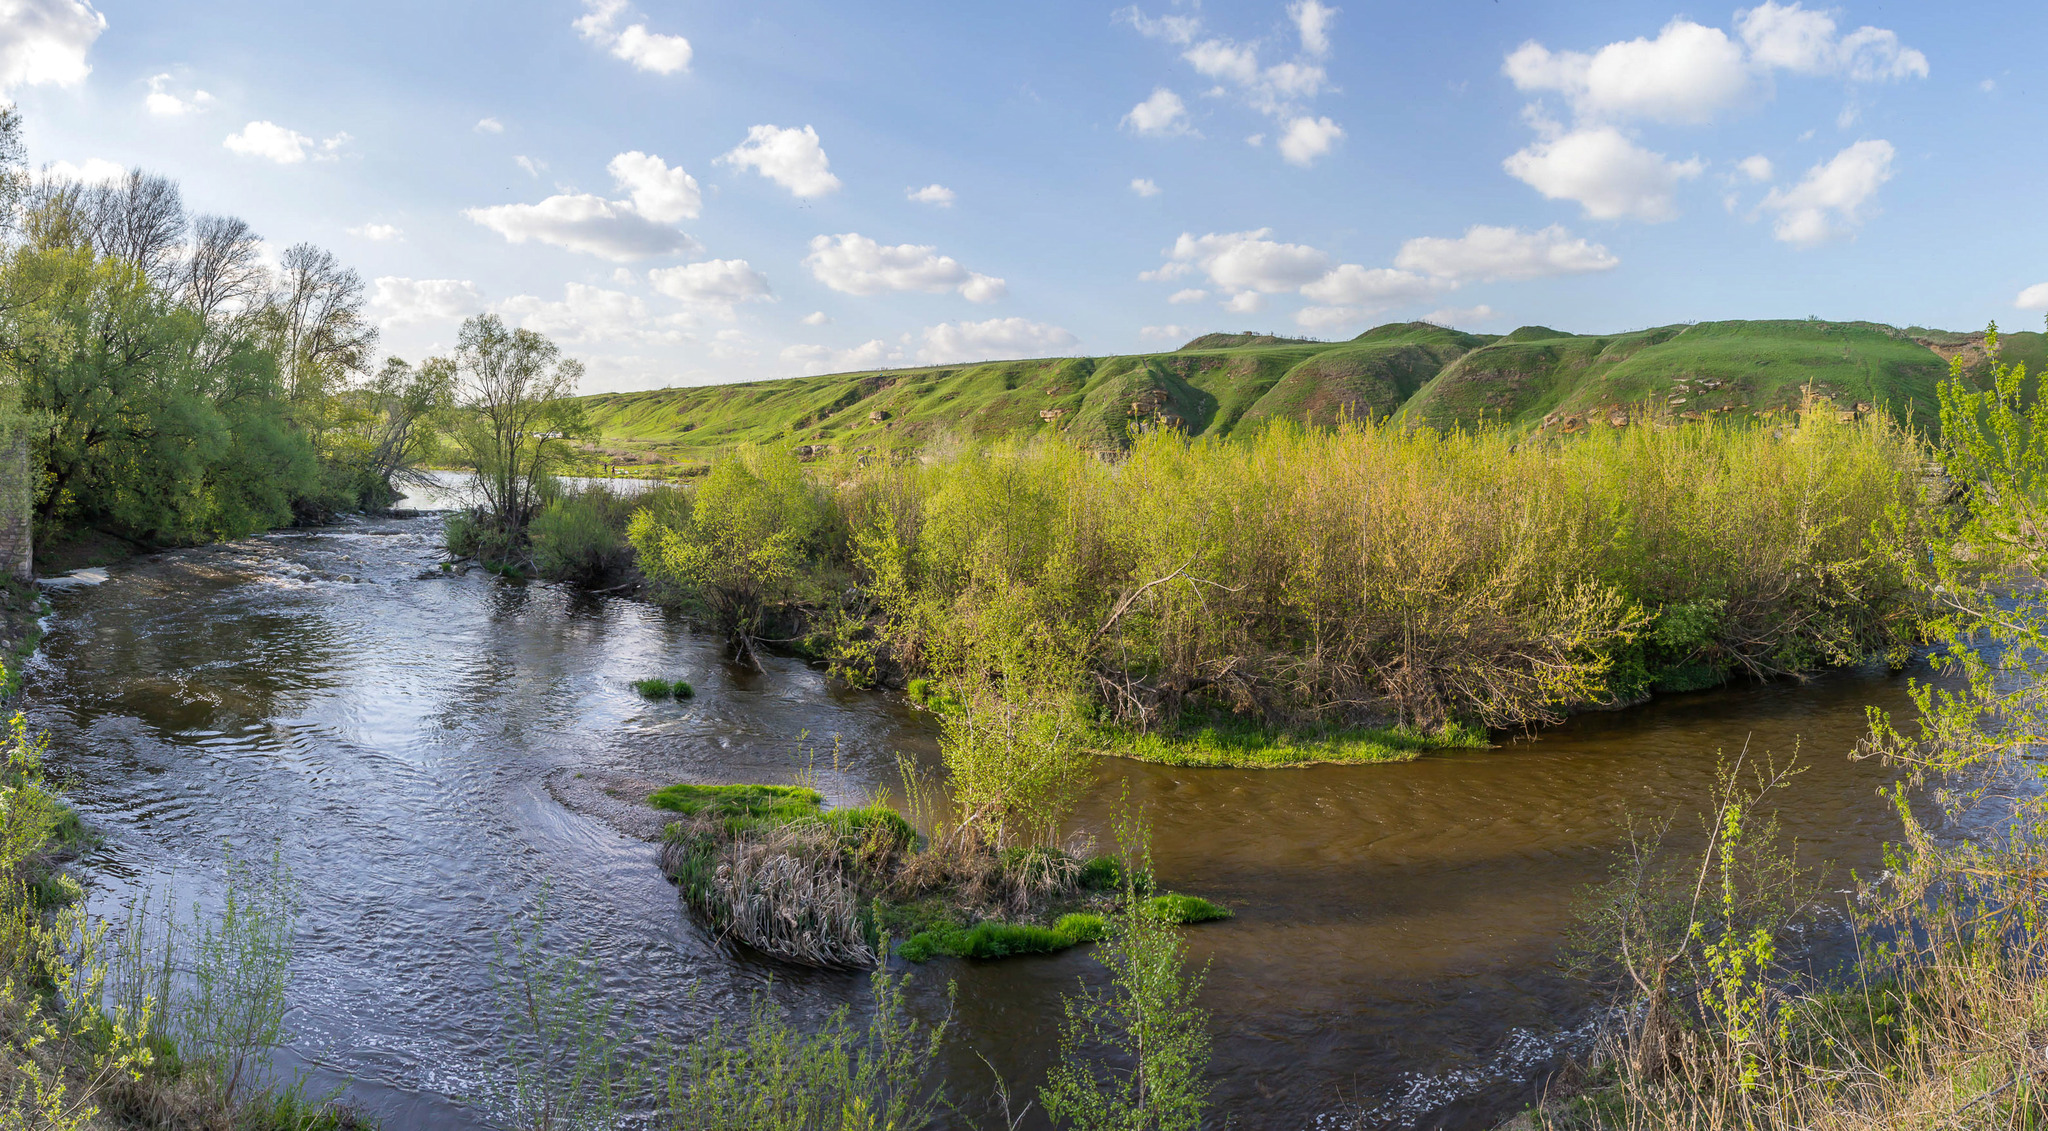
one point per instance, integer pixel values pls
(663, 689)
(1175, 908)
(1244, 744)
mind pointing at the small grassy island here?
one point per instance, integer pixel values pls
(769, 865)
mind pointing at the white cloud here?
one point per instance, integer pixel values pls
(590, 314)
(815, 318)
(931, 194)
(1830, 199)
(1325, 317)
(399, 300)
(2033, 298)
(1177, 30)
(1312, 19)
(161, 102)
(1161, 115)
(1606, 173)
(1188, 295)
(1370, 288)
(273, 142)
(1279, 91)
(791, 158)
(376, 233)
(646, 50)
(1804, 41)
(533, 167)
(824, 359)
(1689, 73)
(1307, 139)
(1245, 302)
(1455, 316)
(489, 126)
(1240, 262)
(994, 340)
(1168, 333)
(93, 171)
(46, 41)
(581, 222)
(1144, 186)
(1487, 254)
(1756, 168)
(716, 285)
(661, 194)
(854, 264)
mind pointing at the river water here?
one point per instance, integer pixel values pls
(392, 737)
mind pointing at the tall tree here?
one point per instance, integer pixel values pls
(223, 274)
(516, 392)
(318, 325)
(140, 219)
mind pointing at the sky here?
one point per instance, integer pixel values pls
(685, 193)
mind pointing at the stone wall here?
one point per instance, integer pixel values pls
(17, 508)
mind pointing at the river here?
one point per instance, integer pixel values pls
(393, 736)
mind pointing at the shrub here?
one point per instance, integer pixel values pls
(580, 537)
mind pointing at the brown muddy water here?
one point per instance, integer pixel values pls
(1390, 964)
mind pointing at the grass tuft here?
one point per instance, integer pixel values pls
(664, 688)
(1186, 908)
(1243, 744)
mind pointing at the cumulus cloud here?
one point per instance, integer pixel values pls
(273, 142)
(1488, 254)
(377, 233)
(1455, 316)
(44, 42)
(1167, 333)
(588, 314)
(815, 318)
(584, 223)
(397, 300)
(1306, 139)
(161, 102)
(791, 158)
(1604, 172)
(1756, 168)
(854, 264)
(1312, 20)
(661, 194)
(931, 194)
(1279, 91)
(1830, 200)
(91, 171)
(1161, 115)
(1689, 73)
(644, 49)
(1805, 41)
(1187, 295)
(1245, 262)
(715, 285)
(489, 126)
(2033, 298)
(1373, 288)
(619, 230)
(997, 339)
(1144, 186)
(813, 360)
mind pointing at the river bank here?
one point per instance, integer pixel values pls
(397, 739)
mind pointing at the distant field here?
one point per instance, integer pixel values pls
(1535, 378)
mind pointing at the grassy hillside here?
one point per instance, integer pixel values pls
(1536, 378)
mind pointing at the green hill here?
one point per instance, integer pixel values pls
(1535, 378)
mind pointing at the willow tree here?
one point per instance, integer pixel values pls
(515, 395)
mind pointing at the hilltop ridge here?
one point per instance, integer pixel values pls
(1535, 378)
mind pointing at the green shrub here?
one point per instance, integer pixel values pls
(1102, 873)
(1175, 908)
(580, 537)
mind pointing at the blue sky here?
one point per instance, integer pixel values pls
(687, 192)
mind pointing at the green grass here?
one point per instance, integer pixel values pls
(1186, 908)
(750, 807)
(990, 939)
(664, 689)
(1423, 373)
(1244, 745)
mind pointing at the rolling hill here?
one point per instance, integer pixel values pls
(1535, 379)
